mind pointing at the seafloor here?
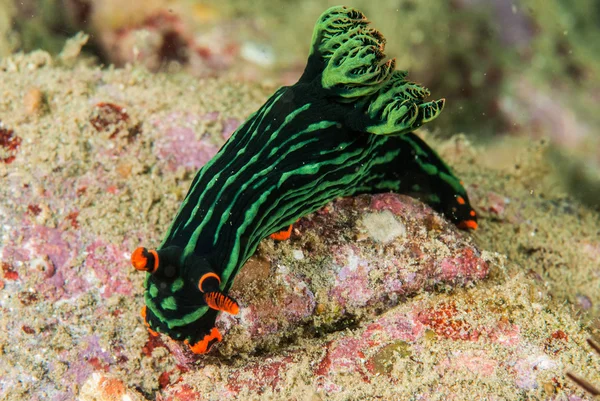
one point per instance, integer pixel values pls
(84, 183)
(373, 297)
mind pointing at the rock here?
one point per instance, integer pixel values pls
(338, 281)
(485, 340)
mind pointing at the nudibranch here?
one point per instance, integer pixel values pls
(345, 128)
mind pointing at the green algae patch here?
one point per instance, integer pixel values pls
(383, 361)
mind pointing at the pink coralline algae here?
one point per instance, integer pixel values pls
(229, 127)
(46, 255)
(92, 358)
(266, 375)
(178, 145)
(477, 363)
(351, 287)
(343, 356)
(102, 259)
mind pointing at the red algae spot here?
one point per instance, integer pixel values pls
(505, 333)
(152, 343)
(560, 335)
(164, 379)
(27, 298)
(98, 364)
(556, 342)
(477, 362)
(9, 144)
(9, 272)
(467, 265)
(444, 321)
(396, 326)
(81, 190)
(389, 202)
(112, 189)
(109, 117)
(401, 205)
(185, 392)
(72, 218)
(27, 329)
(107, 114)
(175, 41)
(34, 210)
(496, 204)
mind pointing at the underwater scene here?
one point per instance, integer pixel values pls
(299, 200)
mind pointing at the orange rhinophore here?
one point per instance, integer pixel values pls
(202, 346)
(144, 260)
(219, 301)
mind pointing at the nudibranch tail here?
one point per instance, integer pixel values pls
(430, 179)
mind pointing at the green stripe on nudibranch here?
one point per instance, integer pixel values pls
(169, 303)
(344, 128)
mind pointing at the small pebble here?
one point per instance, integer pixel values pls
(34, 102)
(383, 226)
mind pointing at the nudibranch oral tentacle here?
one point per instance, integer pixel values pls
(344, 128)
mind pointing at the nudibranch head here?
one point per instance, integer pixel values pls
(183, 296)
